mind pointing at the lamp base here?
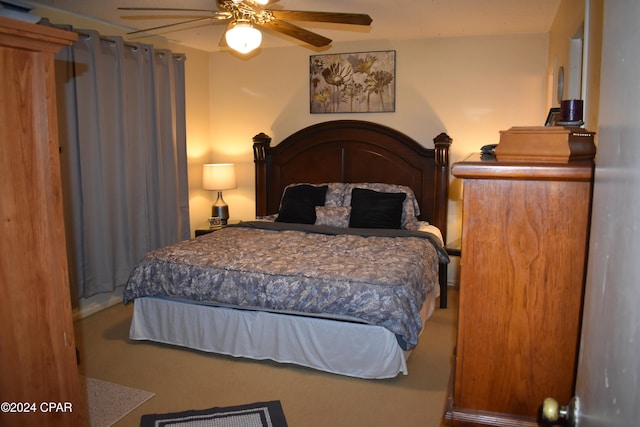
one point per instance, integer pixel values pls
(221, 212)
(220, 209)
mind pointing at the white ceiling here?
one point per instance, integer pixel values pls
(392, 19)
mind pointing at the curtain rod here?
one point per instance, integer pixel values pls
(109, 40)
(133, 46)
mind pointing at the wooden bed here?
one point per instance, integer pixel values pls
(218, 298)
(356, 151)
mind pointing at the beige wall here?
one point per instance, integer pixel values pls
(577, 19)
(593, 59)
(567, 25)
(469, 87)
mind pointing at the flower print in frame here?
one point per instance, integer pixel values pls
(361, 82)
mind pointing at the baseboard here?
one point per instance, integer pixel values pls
(88, 306)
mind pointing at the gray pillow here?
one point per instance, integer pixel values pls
(334, 216)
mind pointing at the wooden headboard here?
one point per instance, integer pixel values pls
(354, 151)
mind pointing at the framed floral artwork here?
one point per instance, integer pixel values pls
(361, 82)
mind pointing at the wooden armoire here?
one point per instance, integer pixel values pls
(525, 233)
(39, 377)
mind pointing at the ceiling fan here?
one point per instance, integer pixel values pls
(243, 16)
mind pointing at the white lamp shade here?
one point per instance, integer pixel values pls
(243, 38)
(219, 177)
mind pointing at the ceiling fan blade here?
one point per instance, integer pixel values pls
(168, 9)
(146, 30)
(215, 14)
(297, 32)
(335, 17)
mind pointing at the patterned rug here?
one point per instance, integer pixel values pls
(262, 414)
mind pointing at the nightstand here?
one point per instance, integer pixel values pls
(454, 248)
(205, 229)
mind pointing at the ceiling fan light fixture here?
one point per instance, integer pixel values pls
(243, 37)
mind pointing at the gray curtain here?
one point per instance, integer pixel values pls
(123, 155)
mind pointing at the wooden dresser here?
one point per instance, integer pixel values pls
(524, 247)
(39, 378)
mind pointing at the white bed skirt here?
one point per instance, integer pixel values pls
(351, 349)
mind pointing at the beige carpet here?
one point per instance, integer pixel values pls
(186, 379)
(109, 402)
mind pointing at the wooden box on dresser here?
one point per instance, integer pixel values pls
(39, 379)
(524, 246)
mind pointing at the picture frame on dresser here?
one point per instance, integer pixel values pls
(553, 117)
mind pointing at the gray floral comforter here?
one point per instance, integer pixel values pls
(379, 277)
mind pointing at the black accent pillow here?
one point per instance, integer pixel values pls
(299, 203)
(375, 209)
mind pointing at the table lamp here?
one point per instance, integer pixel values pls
(218, 177)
